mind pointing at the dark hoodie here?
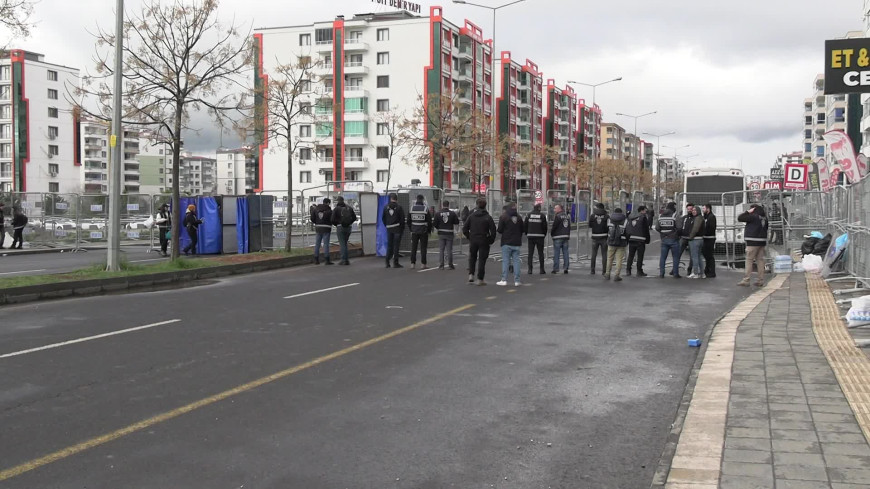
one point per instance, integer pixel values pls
(616, 230)
(511, 228)
(755, 233)
(393, 218)
(598, 223)
(479, 227)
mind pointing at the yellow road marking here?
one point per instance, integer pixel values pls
(114, 435)
(511, 291)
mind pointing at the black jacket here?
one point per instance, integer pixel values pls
(667, 225)
(191, 222)
(511, 227)
(536, 225)
(479, 227)
(19, 221)
(2, 219)
(393, 218)
(561, 228)
(616, 231)
(420, 219)
(755, 233)
(710, 226)
(340, 208)
(321, 216)
(445, 222)
(598, 223)
(164, 215)
(686, 223)
(637, 229)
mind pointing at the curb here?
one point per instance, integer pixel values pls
(81, 288)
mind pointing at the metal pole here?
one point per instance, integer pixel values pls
(595, 130)
(113, 256)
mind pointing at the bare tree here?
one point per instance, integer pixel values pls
(393, 126)
(15, 17)
(178, 58)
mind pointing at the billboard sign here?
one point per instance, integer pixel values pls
(796, 176)
(847, 66)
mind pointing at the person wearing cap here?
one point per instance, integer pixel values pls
(321, 216)
(343, 217)
(420, 224)
(191, 223)
(164, 224)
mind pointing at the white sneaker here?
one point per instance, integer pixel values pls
(692, 275)
(501, 283)
(517, 284)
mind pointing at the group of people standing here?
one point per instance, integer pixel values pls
(324, 219)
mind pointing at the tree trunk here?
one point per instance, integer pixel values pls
(176, 210)
(290, 201)
(389, 165)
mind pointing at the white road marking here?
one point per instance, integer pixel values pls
(150, 259)
(89, 338)
(23, 271)
(427, 270)
(319, 291)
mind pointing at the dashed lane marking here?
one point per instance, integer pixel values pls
(320, 291)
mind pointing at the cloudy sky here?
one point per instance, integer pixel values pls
(728, 77)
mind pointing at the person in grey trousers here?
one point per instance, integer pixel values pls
(445, 222)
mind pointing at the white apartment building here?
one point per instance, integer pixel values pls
(231, 168)
(815, 120)
(38, 142)
(96, 158)
(369, 65)
(155, 165)
(197, 175)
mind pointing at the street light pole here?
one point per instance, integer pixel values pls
(113, 255)
(658, 158)
(636, 117)
(595, 130)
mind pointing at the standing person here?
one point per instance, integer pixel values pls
(164, 224)
(19, 221)
(709, 241)
(191, 224)
(321, 216)
(598, 228)
(638, 237)
(446, 222)
(561, 233)
(536, 232)
(696, 243)
(463, 215)
(393, 218)
(511, 227)
(420, 224)
(480, 230)
(755, 235)
(670, 234)
(616, 243)
(685, 224)
(2, 224)
(343, 217)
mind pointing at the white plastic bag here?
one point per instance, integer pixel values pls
(859, 313)
(812, 263)
(149, 223)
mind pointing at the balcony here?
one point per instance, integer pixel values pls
(356, 140)
(325, 162)
(356, 162)
(463, 75)
(355, 68)
(355, 45)
(323, 46)
(523, 121)
(523, 104)
(355, 92)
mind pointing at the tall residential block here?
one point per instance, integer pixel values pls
(588, 130)
(560, 132)
(231, 168)
(96, 155)
(612, 141)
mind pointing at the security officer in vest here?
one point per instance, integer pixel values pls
(598, 228)
(670, 234)
(446, 222)
(321, 216)
(393, 218)
(561, 234)
(536, 231)
(420, 223)
(638, 237)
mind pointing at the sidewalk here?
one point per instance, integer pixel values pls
(767, 410)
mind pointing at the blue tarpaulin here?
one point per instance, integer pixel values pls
(242, 224)
(381, 235)
(210, 238)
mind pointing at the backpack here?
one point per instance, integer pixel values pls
(347, 217)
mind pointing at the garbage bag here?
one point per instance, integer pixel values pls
(149, 223)
(809, 245)
(812, 263)
(822, 245)
(859, 313)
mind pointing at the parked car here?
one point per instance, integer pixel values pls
(93, 225)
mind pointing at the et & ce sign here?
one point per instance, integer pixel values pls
(847, 66)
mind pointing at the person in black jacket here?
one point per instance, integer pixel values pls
(480, 230)
(191, 224)
(343, 217)
(420, 224)
(561, 234)
(536, 232)
(637, 230)
(393, 218)
(19, 221)
(685, 225)
(2, 224)
(321, 216)
(446, 222)
(709, 241)
(616, 243)
(164, 224)
(511, 227)
(598, 229)
(755, 235)
(670, 233)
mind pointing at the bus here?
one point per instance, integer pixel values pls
(706, 186)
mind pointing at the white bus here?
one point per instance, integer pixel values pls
(706, 186)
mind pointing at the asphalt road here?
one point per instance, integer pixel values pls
(393, 378)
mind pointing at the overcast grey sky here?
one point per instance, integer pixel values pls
(728, 77)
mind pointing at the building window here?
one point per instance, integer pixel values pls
(305, 177)
(305, 131)
(304, 85)
(52, 112)
(323, 36)
(383, 34)
(384, 81)
(382, 175)
(305, 154)
(52, 75)
(383, 105)
(5, 73)
(305, 108)
(52, 94)
(52, 132)
(356, 129)
(53, 150)
(160, 170)
(353, 176)
(53, 168)
(383, 129)
(808, 147)
(383, 152)
(305, 39)
(383, 58)
(53, 187)
(327, 175)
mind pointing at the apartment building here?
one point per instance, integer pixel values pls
(39, 144)
(588, 129)
(648, 156)
(789, 158)
(367, 66)
(672, 169)
(560, 131)
(155, 165)
(633, 150)
(96, 156)
(612, 141)
(231, 171)
(519, 112)
(197, 175)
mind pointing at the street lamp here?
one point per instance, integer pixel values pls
(492, 96)
(658, 158)
(636, 117)
(595, 130)
(113, 253)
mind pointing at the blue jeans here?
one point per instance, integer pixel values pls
(510, 255)
(343, 236)
(695, 246)
(324, 239)
(672, 246)
(560, 246)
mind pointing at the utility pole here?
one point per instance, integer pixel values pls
(116, 143)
